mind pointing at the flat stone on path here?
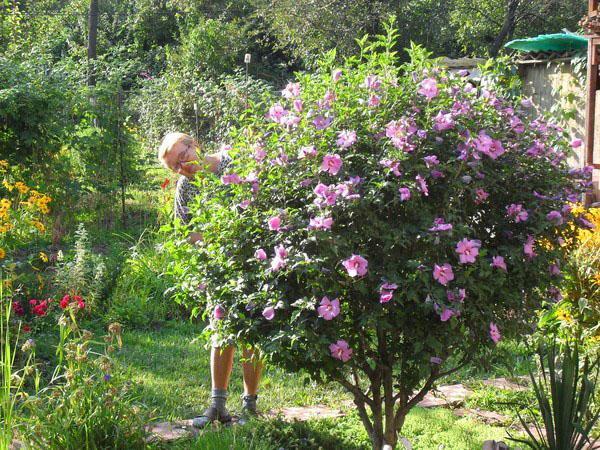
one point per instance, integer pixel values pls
(450, 396)
(307, 412)
(171, 431)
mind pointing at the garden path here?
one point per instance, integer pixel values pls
(448, 396)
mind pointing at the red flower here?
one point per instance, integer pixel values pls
(81, 304)
(165, 183)
(26, 328)
(33, 302)
(18, 308)
(65, 302)
(77, 298)
(41, 309)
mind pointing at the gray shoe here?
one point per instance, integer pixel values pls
(209, 416)
(248, 409)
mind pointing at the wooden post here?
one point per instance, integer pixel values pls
(92, 40)
(593, 84)
(592, 87)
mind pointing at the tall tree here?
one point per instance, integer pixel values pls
(92, 40)
(486, 25)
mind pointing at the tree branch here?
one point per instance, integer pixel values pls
(355, 390)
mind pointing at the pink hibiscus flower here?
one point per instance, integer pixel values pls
(495, 333)
(340, 350)
(219, 312)
(372, 82)
(279, 261)
(443, 122)
(346, 138)
(291, 90)
(268, 313)
(329, 309)
(307, 151)
(404, 194)
(386, 292)
(374, 100)
(517, 212)
(331, 164)
(443, 274)
(321, 122)
(468, 250)
(277, 113)
(274, 223)
(356, 265)
(231, 178)
(499, 263)
(428, 88)
(528, 247)
(480, 196)
(320, 223)
(422, 185)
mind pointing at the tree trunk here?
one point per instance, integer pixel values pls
(507, 28)
(92, 40)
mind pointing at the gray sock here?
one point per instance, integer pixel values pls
(249, 402)
(219, 398)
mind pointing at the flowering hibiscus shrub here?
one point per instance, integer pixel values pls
(379, 225)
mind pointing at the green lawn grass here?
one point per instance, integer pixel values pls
(170, 369)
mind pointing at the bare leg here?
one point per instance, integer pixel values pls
(252, 367)
(221, 364)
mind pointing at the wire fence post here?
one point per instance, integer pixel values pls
(121, 155)
(247, 59)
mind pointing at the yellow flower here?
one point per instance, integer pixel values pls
(596, 279)
(39, 225)
(43, 257)
(2, 253)
(22, 187)
(3, 164)
(7, 185)
(546, 243)
(5, 203)
(5, 227)
(564, 316)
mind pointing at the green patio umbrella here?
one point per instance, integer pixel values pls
(559, 42)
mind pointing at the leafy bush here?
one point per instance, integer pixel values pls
(378, 220)
(578, 314)
(84, 275)
(564, 391)
(83, 406)
(141, 296)
(34, 107)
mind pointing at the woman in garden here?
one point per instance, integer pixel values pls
(178, 152)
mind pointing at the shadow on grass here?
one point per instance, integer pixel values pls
(274, 434)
